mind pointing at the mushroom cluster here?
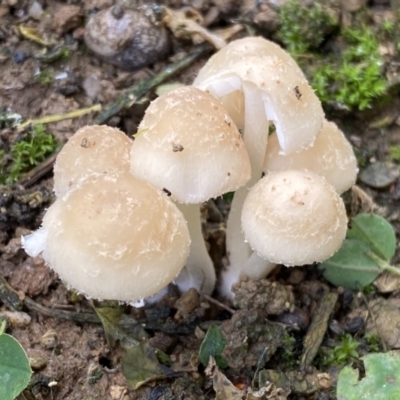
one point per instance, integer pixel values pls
(128, 211)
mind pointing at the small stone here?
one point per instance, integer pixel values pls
(354, 325)
(380, 174)
(19, 57)
(68, 17)
(92, 86)
(49, 340)
(199, 333)
(118, 392)
(297, 319)
(95, 372)
(37, 361)
(17, 319)
(187, 303)
(35, 10)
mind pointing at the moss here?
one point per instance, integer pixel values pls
(44, 78)
(351, 80)
(355, 79)
(304, 28)
(26, 154)
(394, 152)
(343, 353)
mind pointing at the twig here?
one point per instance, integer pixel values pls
(10, 296)
(58, 117)
(371, 314)
(61, 314)
(317, 329)
(36, 173)
(219, 304)
(137, 91)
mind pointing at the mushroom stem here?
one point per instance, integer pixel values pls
(257, 267)
(199, 271)
(255, 137)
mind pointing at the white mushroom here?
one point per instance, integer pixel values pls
(258, 79)
(294, 218)
(113, 237)
(331, 156)
(189, 146)
(92, 149)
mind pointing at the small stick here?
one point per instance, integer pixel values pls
(61, 314)
(10, 296)
(58, 117)
(372, 315)
(36, 173)
(219, 304)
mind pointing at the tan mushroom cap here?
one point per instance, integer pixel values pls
(188, 144)
(116, 237)
(92, 149)
(294, 218)
(331, 156)
(290, 102)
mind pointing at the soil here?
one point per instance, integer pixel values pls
(74, 357)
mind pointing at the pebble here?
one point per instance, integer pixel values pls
(37, 361)
(68, 17)
(92, 86)
(49, 340)
(17, 319)
(35, 10)
(19, 56)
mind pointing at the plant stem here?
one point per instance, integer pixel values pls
(384, 264)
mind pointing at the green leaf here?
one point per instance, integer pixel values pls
(376, 232)
(120, 327)
(140, 365)
(350, 266)
(213, 345)
(15, 371)
(381, 382)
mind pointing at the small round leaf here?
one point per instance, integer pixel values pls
(375, 232)
(15, 371)
(350, 266)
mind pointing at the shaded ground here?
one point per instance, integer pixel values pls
(269, 320)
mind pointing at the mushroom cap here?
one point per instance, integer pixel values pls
(92, 149)
(188, 144)
(289, 100)
(116, 237)
(331, 156)
(294, 218)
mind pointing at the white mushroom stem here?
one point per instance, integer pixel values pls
(257, 267)
(199, 271)
(255, 137)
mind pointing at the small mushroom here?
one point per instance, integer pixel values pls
(260, 82)
(213, 160)
(113, 237)
(331, 156)
(92, 149)
(294, 218)
(130, 39)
